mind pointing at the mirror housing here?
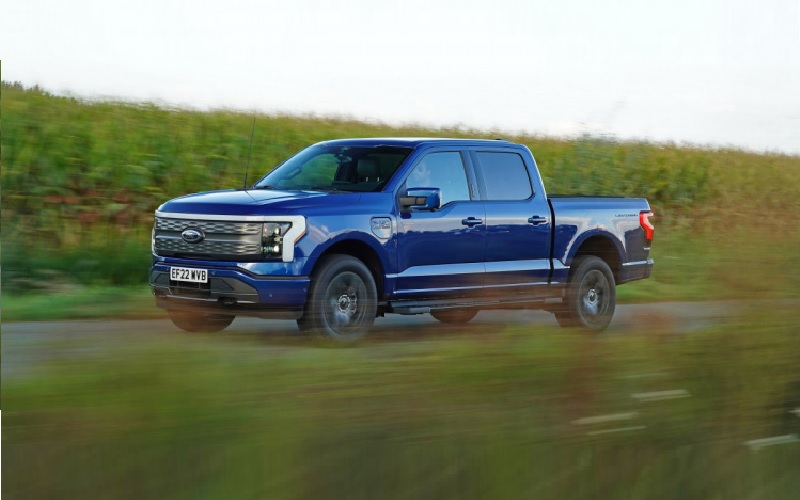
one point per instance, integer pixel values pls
(421, 199)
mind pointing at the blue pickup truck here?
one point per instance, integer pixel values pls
(348, 230)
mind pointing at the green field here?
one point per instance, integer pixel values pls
(81, 179)
(482, 411)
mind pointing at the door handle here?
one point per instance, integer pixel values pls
(536, 220)
(471, 221)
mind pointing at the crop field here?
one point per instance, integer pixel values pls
(81, 179)
(479, 411)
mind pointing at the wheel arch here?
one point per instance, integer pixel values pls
(603, 246)
(360, 250)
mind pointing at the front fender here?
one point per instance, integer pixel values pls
(337, 234)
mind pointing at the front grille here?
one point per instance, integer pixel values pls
(200, 290)
(208, 227)
(206, 247)
(222, 240)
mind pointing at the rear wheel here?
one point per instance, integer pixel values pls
(200, 322)
(590, 298)
(454, 316)
(342, 302)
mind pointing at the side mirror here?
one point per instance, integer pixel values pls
(421, 199)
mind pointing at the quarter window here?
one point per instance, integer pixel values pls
(505, 176)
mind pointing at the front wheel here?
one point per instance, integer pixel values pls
(342, 302)
(199, 322)
(590, 297)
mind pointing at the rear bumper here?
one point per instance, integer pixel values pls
(636, 271)
(232, 291)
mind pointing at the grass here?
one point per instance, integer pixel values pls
(80, 302)
(480, 413)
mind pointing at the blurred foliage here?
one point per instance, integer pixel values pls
(81, 179)
(477, 411)
(60, 299)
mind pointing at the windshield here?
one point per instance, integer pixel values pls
(337, 168)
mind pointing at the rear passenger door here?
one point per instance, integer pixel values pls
(518, 223)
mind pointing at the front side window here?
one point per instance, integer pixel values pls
(443, 170)
(505, 176)
(337, 168)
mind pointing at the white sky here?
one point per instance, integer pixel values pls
(719, 72)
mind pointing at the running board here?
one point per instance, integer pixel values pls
(409, 307)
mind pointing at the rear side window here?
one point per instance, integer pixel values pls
(505, 176)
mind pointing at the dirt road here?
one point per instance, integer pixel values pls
(27, 346)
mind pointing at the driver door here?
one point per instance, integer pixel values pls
(441, 251)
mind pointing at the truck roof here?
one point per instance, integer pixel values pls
(414, 142)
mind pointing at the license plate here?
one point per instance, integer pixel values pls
(189, 274)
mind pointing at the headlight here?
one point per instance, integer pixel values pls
(153, 238)
(272, 238)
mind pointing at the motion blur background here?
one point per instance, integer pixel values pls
(109, 109)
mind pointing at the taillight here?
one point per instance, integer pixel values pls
(644, 221)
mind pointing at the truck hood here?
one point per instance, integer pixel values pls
(254, 202)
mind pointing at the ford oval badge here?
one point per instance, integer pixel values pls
(192, 236)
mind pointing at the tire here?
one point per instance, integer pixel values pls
(343, 300)
(590, 297)
(199, 322)
(454, 316)
(303, 324)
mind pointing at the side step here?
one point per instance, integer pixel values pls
(409, 307)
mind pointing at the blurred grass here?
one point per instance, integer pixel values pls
(81, 302)
(80, 181)
(482, 413)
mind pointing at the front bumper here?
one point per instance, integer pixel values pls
(231, 291)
